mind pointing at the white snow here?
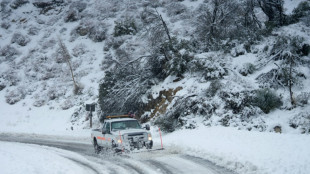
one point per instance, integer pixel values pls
(16, 158)
(239, 150)
(244, 151)
(289, 5)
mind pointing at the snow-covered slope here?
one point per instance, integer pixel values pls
(36, 88)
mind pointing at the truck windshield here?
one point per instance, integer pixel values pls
(129, 124)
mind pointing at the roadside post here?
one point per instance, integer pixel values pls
(161, 140)
(90, 108)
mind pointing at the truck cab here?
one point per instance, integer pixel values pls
(121, 133)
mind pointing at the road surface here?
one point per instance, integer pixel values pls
(168, 161)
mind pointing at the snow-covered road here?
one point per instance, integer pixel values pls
(47, 155)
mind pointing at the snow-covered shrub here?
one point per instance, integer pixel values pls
(266, 100)
(238, 51)
(125, 27)
(79, 50)
(95, 30)
(5, 10)
(247, 68)
(43, 4)
(235, 101)
(33, 30)
(59, 56)
(78, 89)
(270, 79)
(153, 3)
(248, 111)
(301, 121)
(215, 86)
(72, 15)
(80, 6)
(18, 3)
(9, 52)
(10, 77)
(167, 124)
(171, 58)
(306, 20)
(67, 104)
(211, 68)
(2, 84)
(15, 95)
(5, 25)
(301, 11)
(49, 44)
(39, 101)
(20, 39)
(176, 8)
(181, 109)
(115, 42)
(303, 98)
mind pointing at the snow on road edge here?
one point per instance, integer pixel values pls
(244, 151)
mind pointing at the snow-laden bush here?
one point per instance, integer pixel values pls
(33, 30)
(18, 3)
(43, 4)
(67, 104)
(212, 68)
(10, 77)
(95, 30)
(15, 95)
(80, 6)
(49, 44)
(167, 124)
(54, 92)
(59, 57)
(153, 3)
(235, 101)
(176, 8)
(300, 12)
(20, 39)
(2, 84)
(177, 113)
(302, 122)
(72, 15)
(39, 100)
(215, 86)
(5, 25)
(125, 27)
(247, 68)
(266, 100)
(79, 50)
(9, 52)
(115, 42)
(303, 98)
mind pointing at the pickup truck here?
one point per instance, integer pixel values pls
(121, 133)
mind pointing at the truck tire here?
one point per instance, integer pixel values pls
(97, 147)
(149, 145)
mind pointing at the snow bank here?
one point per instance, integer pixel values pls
(244, 151)
(18, 158)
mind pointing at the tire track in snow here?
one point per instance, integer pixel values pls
(208, 164)
(84, 165)
(160, 167)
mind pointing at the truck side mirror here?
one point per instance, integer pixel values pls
(104, 131)
(147, 127)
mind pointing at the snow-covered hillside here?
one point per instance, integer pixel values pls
(37, 91)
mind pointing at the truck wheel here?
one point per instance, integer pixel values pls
(149, 145)
(97, 147)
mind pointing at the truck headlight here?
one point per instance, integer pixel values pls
(119, 141)
(149, 137)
